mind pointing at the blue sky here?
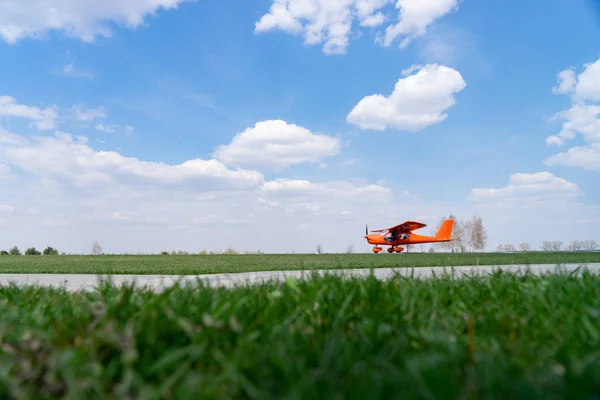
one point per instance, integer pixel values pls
(188, 79)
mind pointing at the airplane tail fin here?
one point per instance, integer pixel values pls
(445, 230)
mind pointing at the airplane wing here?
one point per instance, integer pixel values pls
(407, 227)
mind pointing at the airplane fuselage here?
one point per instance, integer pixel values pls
(401, 235)
(401, 240)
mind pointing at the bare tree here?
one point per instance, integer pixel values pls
(575, 245)
(546, 245)
(524, 247)
(465, 230)
(319, 249)
(589, 245)
(509, 247)
(478, 235)
(350, 249)
(505, 247)
(96, 248)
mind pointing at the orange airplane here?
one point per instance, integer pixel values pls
(402, 235)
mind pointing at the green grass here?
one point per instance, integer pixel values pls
(501, 337)
(209, 264)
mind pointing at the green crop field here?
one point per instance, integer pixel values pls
(209, 264)
(501, 337)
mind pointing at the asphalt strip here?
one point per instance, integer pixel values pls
(77, 282)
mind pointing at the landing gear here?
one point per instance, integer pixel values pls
(390, 249)
(396, 249)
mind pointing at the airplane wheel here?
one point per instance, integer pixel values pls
(376, 250)
(390, 250)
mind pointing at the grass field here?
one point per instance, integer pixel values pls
(209, 264)
(506, 336)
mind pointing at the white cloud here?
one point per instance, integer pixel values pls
(83, 113)
(85, 194)
(415, 16)
(586, 157)
(105, 128)
(84, 19)
(45, 119)
(528, 189)
(418, 100)
(330, 21)
(583, 87)
(580, 118)
(70, 70)
(303, 190)
(71, 160)
(583, 117)
(275, 144)
(588, 83)
(5, 208)
(566, 81)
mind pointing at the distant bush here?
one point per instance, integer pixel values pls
(32, 252)
(49, 251)
(15, 251)
(3, 253)
(231, 251)
(164, 253)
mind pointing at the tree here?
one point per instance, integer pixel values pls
(478, 235)
(319, 249)
(3, 253)
(589, 245)
(575, 245)
(49, 251)
(32, 252)
(524, 247)
(350, 249)
(465, 231)
(96, 249)
(505, 247)
(15, 251)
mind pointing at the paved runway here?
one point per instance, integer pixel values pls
(75, 282)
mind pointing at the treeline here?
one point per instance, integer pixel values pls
(48, 251)
(556, 245)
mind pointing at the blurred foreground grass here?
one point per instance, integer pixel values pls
(504, 336)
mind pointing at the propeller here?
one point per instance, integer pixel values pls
(366, 230)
